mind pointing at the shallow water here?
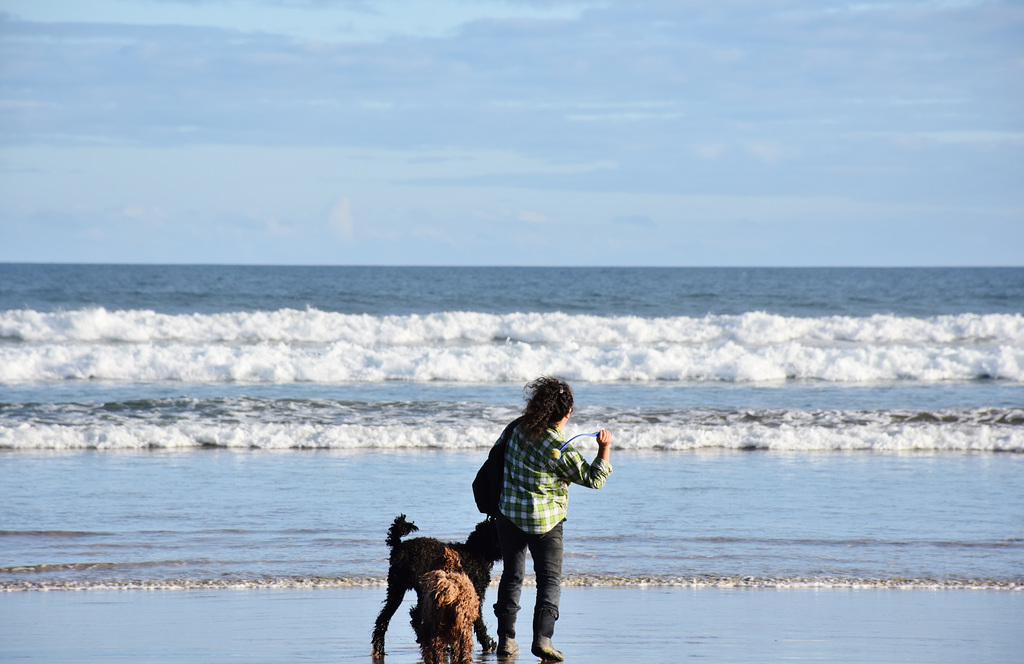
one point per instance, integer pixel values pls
(182, 518)
(596, 625)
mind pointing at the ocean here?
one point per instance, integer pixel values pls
(199, 427)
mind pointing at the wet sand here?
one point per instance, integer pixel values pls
(603, 625)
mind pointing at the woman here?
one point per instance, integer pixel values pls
(539, 466)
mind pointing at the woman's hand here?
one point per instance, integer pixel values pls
(604, 444)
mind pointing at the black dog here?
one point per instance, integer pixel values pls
(412, 558)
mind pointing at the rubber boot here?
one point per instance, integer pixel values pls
(507, 646)
(543, 630)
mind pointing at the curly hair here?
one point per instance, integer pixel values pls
(548, 400)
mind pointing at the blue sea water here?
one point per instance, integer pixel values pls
(195, 426)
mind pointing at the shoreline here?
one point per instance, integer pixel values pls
(597, 624)
(639, 583)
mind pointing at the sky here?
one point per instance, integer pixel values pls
(513, 132)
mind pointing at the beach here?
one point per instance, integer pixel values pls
(597, 625)
(200, 464)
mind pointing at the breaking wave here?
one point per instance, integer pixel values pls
(289, 346)
(296, 424)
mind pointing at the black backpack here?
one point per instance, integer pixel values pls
(491, 476)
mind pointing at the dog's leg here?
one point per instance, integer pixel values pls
(422, 607)
(486, 642)
(462, 650)
(416, 620)
(391, 604)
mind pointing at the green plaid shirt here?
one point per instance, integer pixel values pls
(535, 495)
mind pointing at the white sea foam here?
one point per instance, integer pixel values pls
(289, 346)
(291, 582)
(312, 326)
(796, 437)
(292, 345)
(516, 362)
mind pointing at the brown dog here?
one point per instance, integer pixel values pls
(448, 608)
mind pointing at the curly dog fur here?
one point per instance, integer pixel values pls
(448, 608)
(411, 559)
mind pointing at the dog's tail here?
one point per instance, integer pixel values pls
(443, 582)
(448, 586)
(399, 529)
(452, 562)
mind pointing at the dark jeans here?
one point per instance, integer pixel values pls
(546, 551)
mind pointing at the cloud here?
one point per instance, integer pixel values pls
(974, 137)
(531, 217)
(511, 106)
(331, 21)
(767, 151)
(340, 219)
(635, 220)
(149, 215)
(709, 150)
